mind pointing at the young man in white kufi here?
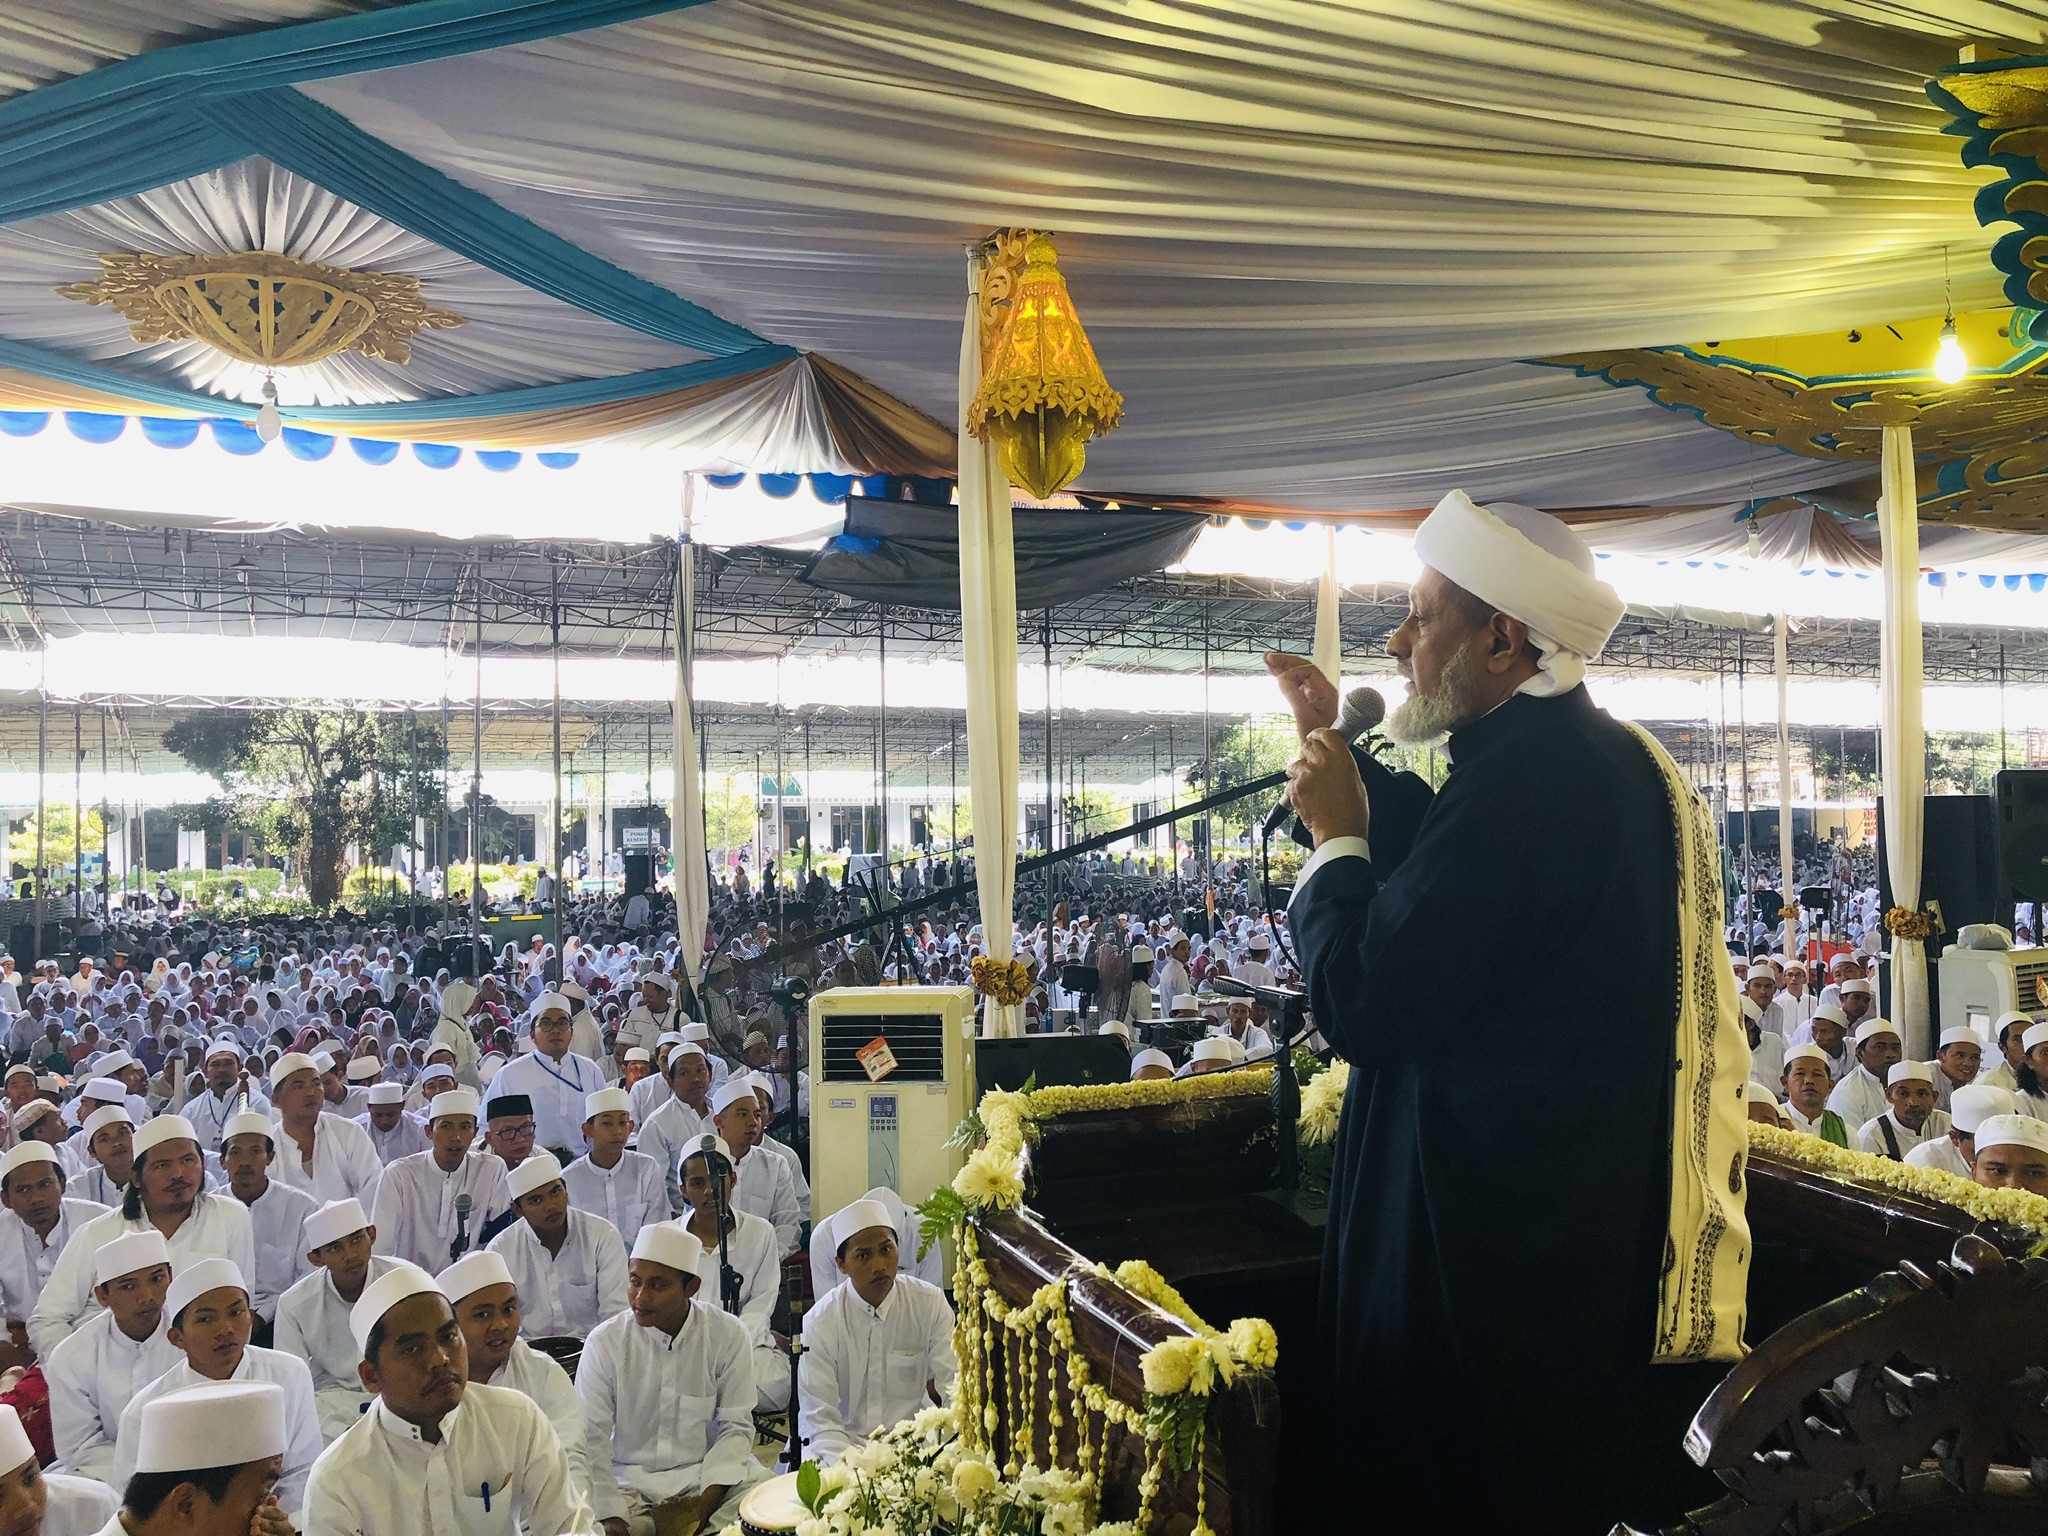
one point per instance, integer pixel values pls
(416, 1215)
(438, 1454)
(2012, 1153)
(877, 1349)
(393, 1131)
(35, 1502)
(699, 1035)
(209, 1318)
(209, 1458)
(569, 1266)
(168, 1194)
(219, 1095)
(825, 1267)
(108, 1137)
(1910, 1117)
(652, 1091)
(1969, 1107)
(312, 1317)
(486, 1301)
(327, 1155)
(678, 1119)
(625, 1187)
(750, 1247)
(277, 1212)
(668, 1396)
(93, 1374)
(1859, 1098)
(38, 1220)
(766, 1188)
(554, 1077)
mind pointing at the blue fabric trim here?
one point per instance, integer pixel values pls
(24, 358)
(437, 455)
(309, 447)
(23, 423)
(831, 487)
(498, 460)
(236, 437)
(371, 451)
(170, 432)
(320, 144)
(724, 482)
(557, 460)
(780, 486)
(95, 426)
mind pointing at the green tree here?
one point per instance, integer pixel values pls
(731, 812)
(316, 780)
(1962, 762)
(1243, 753)
(60, 838)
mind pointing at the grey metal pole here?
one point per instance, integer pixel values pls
(555, 808)
(882, 734)
(78, 815)
(1045, 642)
(106, 818)
(42, 811)
(476, 799)
(447, 764)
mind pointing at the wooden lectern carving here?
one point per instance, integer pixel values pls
(1914, 1405)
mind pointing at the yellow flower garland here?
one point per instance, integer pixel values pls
(1049, 1103)
(2009, 1207)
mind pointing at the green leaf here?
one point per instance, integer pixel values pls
(808, 1485)
(968, 1134)
(938, 1216)
(1030, 1083)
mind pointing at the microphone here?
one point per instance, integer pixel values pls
(455, 1249)
(1363, 709)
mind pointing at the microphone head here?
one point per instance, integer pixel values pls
(462, 1204)
(1363, 709)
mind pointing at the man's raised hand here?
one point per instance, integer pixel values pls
(1310, 695)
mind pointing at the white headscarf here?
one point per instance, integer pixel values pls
(1531, 567)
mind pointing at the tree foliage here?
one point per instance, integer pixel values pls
(731, 811)
(317, 780)
(60, 839)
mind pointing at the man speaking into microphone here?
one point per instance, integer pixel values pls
(1522, 1289)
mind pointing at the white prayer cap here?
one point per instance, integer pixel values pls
(698, 1146)
(194, 1280)
(1998, 1025)
(323, 1061)
(112, 1062)
(1214, 1048)
(641, 1053)
(163, 1128)
(28, 1152)
(2034, 1036)
(1756, 1093)
(364, 1069)
(100, 1119)
(1531, 567)
(108, 1090)
(731, 1091)
(1751, 1011)
(669, 1244)
(694, 1031)
(1832, 1014)
(1792, 963)
(250, 1122)
(1844, 958)
(1140, 954)
(605, 1100)
(472, 1272)
(684, 1051)
(1974, 1103)
(192, 1430)
(1962, 1034)
(387, 1093)
(290, 1062)
(129, 1252)
(334, 1221)
(570, 989)
(224, 1047)
(433, 1071)
(456, 1101)
(2012, 1131)
(1909, 1072)
(1150, 1058)
(22, 1067)
(535, 1173)
(382, 1294)
(858, 1217)
(1807, 1052)
(551, 1002)
(656, 979)
(1875, 1027)
(754, 1038)
(15, 1450)
(1183, 1002)
(1854, 984)
(1116, 1027)
(667, 1037)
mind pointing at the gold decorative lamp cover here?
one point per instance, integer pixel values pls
(262, 308)
(1042, 394)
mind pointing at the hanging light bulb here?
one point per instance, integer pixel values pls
(269, 424)
(1951, 362)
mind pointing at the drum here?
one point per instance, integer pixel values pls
(772, 1508)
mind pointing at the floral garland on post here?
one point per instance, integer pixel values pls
(1007, 982)
(1908, 924)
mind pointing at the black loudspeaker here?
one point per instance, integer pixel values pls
(1958, 864)
(639, 873)
(2020, 797)
(1053, 1059)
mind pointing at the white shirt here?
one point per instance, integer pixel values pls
(668, 1416)
(452, 1031)
(1858, 1098)
(1871, 1137)
(210, 1113)
(629, 1195)
(499, 1468)
(1944, 1154)
(312, 1324)
(1256, 973)
(566, 1294)
(867, 1367)
(752, 1248)
(80, 1506)
(278, 1224)
(797, 1181)
(415, 1215)
(558, 1089)
(26, 1260)
(218, 1228)
(663, 1137)
(408, 1136)
(529, 1372)
(301, 1424)
(1767, 1061)
(766, 1189)
(648, 1095)
(345, 1161)
(91, 1376)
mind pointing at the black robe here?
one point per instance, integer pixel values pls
(1507, 995)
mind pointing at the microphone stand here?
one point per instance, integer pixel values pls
(792, 1296)
(1289, 1006)
(728, 1277)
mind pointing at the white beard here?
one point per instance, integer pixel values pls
(1425, 718)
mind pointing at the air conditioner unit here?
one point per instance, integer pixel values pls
(1977, 985)
(892, 1130)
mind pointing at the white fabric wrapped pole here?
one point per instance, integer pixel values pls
(988, 624)
(1787, 880)
(1328, 651)
(686, 812)
(1905, 742)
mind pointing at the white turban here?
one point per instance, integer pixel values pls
(1532, 568)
